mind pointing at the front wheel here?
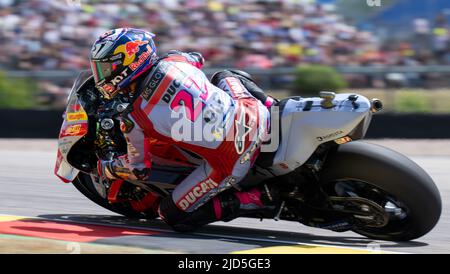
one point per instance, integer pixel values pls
(398, 185)
(83, 182)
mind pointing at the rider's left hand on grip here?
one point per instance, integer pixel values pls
(142, 174)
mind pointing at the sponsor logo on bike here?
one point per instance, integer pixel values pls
(74, 130)
(76, 116)
(329, 136)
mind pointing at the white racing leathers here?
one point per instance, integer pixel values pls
(222, 125)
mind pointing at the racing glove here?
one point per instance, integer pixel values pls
(115, 169)
(118, 169)
(142, 174)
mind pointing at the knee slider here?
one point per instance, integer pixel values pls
(183, 221)
(169, 212)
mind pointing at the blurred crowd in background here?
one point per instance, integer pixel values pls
(41, 35)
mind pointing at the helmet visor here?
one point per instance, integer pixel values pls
(101, 70)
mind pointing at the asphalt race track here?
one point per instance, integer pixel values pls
(40, 214)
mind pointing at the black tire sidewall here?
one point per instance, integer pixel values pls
(83, 184)
(393, 173)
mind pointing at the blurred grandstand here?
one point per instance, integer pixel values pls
(51, 39)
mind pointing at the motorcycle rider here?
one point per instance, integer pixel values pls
(124, 61)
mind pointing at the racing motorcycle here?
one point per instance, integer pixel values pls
(327, 178)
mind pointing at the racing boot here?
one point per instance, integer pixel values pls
(257, 202)
(210, 212)
(261, 201)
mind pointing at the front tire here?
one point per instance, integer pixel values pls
(388, 172)
(83, 183)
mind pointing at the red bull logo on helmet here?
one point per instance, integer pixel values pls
(144, 56)
(133, 47)
(129, 50)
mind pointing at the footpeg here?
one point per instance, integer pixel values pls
(277, 217)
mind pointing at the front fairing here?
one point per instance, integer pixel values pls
(74, 127)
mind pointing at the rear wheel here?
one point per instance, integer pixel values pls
(83, 182)
(403, 189)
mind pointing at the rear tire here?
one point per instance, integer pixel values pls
(83, 183)
(394, 174)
